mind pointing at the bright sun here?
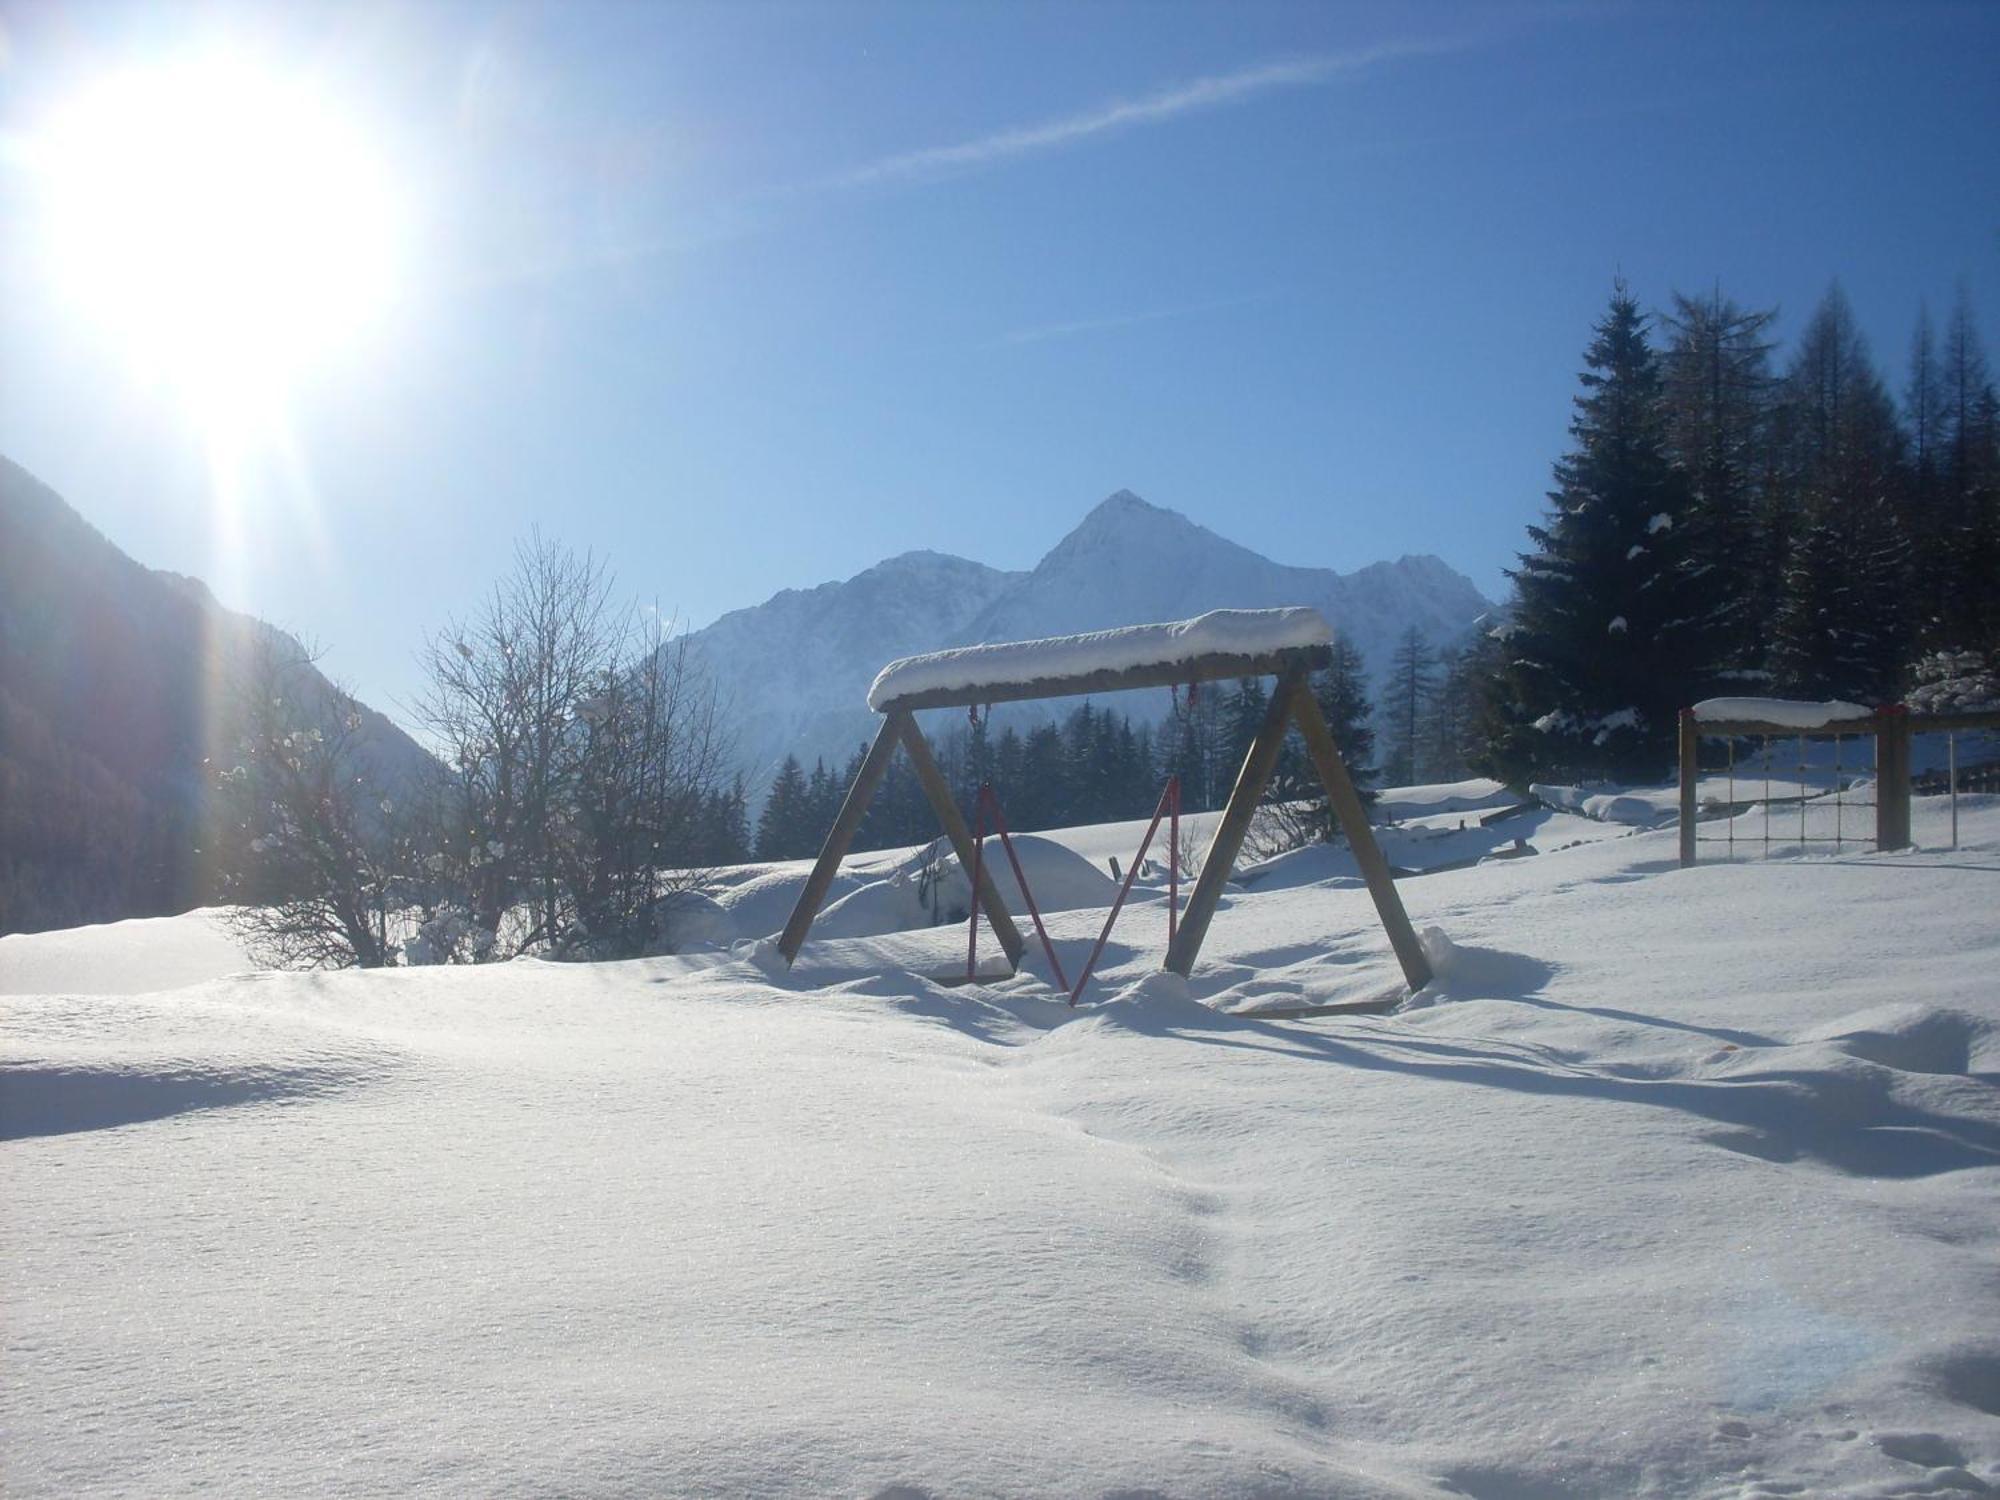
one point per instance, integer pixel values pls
(223, 223)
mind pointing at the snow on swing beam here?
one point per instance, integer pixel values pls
(1221, 644)
(1286, 643)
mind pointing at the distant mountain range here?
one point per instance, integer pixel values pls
(795, 669)
(121, 692)
(122, 687)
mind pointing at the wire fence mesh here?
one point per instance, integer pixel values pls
(1764, 795)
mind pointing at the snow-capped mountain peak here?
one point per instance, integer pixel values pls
(798, 666)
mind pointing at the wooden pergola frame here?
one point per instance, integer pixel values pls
(1292, 702)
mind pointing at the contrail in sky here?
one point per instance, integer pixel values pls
(1211, 92)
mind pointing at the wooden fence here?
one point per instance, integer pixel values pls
(1892, 728)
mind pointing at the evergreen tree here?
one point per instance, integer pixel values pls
(1196, 749)
(1296, 803)
(1042, 796)
(780, 826)
(821, 806)
(1610, 635)
(1841, 628)
(1010, 762)
(1412, 682)
(1969, 528)
(1341, 690)
(1243, 715)
(732, 843)
(1716, 395)
(976, 763)
(1447, 746)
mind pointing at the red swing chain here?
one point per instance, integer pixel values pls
(1170, 808)
(990, 802)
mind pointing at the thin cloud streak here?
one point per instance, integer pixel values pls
(1046, 332)
(1212, 92)
(760, 209)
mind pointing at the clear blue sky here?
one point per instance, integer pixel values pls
(751, 296)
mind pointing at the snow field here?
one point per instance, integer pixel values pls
(1678, 1182)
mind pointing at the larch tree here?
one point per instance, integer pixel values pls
(1842, 628)
(1716, 393)
(1412, 683)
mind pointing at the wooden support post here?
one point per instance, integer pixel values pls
(931, 779)
(1892, 778)
(1353, 816)
(1258, 763)
(873, 766)
(1690, 779)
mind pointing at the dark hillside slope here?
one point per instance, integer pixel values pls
(120, 693)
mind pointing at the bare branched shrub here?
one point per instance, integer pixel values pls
(317, 857)
(650, 758)
(582, 757)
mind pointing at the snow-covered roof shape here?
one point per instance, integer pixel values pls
(1006, 667)
(1787, 713)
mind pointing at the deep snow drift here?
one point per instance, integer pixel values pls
(1675, 1183)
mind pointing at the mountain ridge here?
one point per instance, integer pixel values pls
(121, 688)
(794, 670)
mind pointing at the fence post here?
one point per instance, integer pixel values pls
(1892, 777)
(1690, 776)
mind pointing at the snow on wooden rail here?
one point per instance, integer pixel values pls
(1221, 643)
(1779, 713)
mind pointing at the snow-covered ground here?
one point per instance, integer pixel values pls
(122, 958)
(1676, 1183)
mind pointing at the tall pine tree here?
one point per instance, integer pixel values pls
(1612, 631)
(781, 826)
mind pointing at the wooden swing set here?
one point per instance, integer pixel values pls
(1291, 702)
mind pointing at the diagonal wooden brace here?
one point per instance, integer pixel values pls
(1353, 818)
(931, 779)
(873, 767)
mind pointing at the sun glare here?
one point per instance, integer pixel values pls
(224, 224)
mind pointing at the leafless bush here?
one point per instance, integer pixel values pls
(581, 748)
(316, 856)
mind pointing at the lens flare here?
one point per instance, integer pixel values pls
(223, 223)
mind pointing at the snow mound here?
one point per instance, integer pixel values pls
(123, 958)
(1161, 987)
(1635, 807)
(882, 906)
(1309, 864)
(697, 920)
(1476, 794)
(760, 905)
(1237, 632)
(1059, 878)
(1916, 1038)
(1154, 1005)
